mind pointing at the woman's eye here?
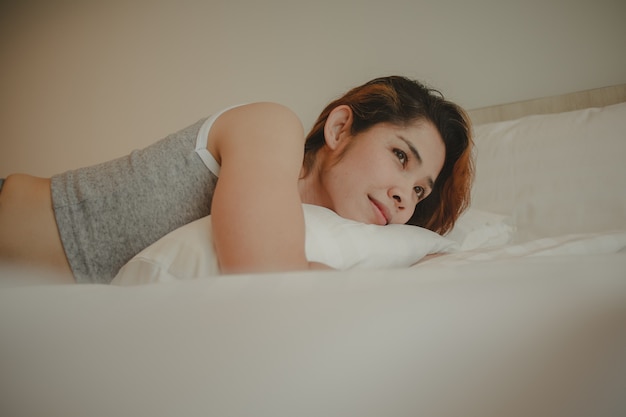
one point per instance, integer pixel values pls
(419, 191)
(401, 156)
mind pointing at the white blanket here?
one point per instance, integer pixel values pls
(519, 337)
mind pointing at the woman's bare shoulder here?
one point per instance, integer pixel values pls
(259, 127)
(259, 115)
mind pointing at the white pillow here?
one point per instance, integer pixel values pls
(188, 252)
(479, 229)
(554, 174)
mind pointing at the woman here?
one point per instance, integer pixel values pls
(389, 151)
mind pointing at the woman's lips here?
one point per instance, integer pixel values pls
(382, 217)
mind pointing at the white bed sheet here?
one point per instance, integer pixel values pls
(576, 244)
(517, 337)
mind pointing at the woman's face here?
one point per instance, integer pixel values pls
(379, 175)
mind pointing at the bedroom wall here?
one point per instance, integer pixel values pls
(84, 81)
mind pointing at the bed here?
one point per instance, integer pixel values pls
(523, 315)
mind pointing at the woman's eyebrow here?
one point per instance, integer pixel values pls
(412, 148)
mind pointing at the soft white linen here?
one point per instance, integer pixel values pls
(540, 336)
(188, 252)
(567, 245)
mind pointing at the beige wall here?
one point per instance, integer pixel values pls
(84, 81)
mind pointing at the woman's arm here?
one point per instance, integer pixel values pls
(257, 217)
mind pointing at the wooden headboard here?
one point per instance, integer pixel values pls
(597, 97)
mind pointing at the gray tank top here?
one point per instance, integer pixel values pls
(108, 213)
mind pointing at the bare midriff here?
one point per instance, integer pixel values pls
(28, 231)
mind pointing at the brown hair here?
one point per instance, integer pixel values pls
(401, 101)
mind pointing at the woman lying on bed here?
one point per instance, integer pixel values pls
(389, 151)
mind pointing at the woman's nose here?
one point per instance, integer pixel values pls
(403, 196)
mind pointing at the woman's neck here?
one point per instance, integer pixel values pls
(311, 188)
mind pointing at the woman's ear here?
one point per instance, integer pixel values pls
(337, 126)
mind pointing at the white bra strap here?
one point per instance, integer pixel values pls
(202, 139)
